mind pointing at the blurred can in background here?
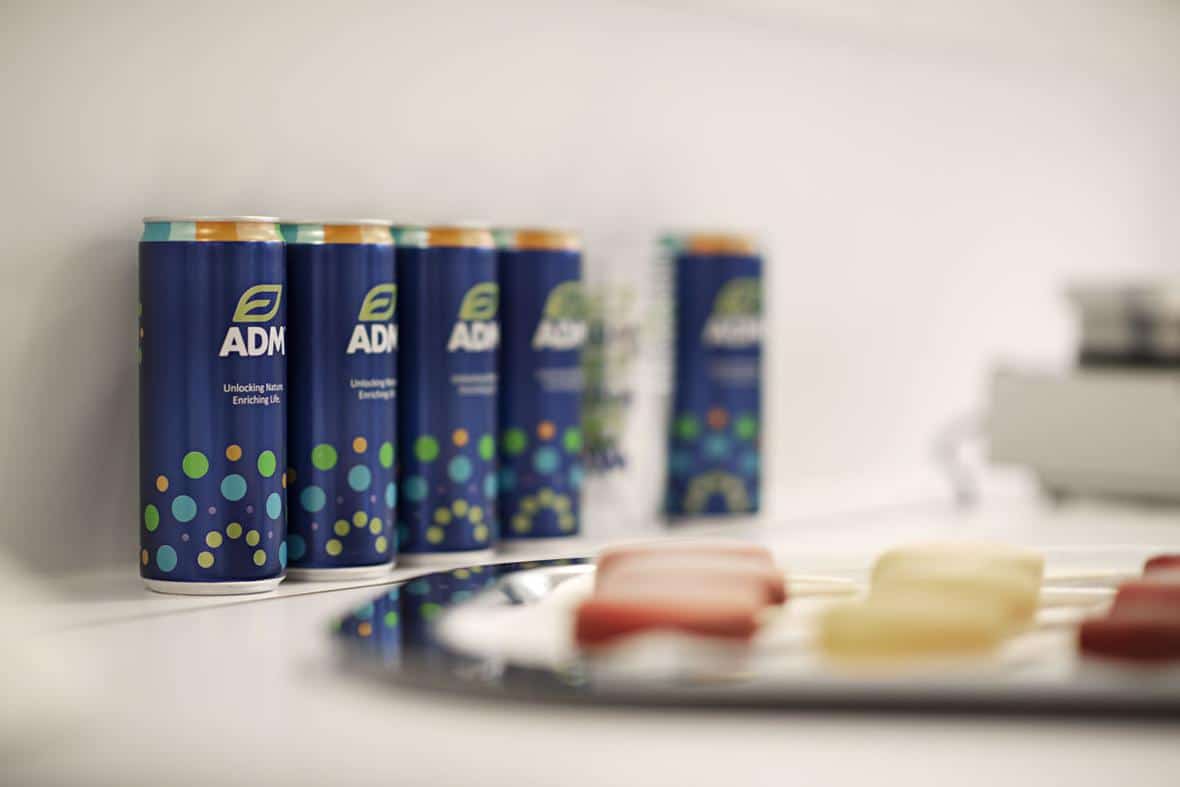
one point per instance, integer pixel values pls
(714, 457)
(342, 378)
(543, 327)
(449, 338)
(212, 405)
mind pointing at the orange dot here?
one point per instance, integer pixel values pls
(717, 418)
(284, 481)
(143, 556)
(364, 629)
(233, 453)
(546, 430)
(141, 333)
(459, 436)
(289, 476)
(161, 483)
(359, 444)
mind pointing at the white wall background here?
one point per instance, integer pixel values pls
(926, 174)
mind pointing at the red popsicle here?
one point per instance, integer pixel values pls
(1162, 563)
(1151, 597)
(1131, 637)
(653, 603)
(710, 570)
(712, 547)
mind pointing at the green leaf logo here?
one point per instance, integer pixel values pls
(739, 297)
(480, 302)
(567, 301)
(259, 303)
(379, 304)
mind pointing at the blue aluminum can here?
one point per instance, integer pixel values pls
(714, 458)
(449, 335)
(341, 423)
(212, 405)
(543, 326)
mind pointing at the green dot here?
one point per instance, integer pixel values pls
(267, 464)
(515, 441)
(572, 440)
(391, 619)
(429, 610)
(151, 518)
(194, 464)
(323, 457)
(487, 447)
(385, 455)
(426, 448)
(746, 427)
(687, 427)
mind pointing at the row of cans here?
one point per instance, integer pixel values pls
(317, 398)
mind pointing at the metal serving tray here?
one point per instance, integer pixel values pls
(487, 631)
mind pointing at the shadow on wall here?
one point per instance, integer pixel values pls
(70, 444)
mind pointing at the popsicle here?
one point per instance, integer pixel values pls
(908, 626)
(961, 554)
(684, 546)
(670, 604)
(704, 568)
(1132, 637)
(1169, 562)
(1151, 597)
(991, 584)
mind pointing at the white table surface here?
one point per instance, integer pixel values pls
(248, 691)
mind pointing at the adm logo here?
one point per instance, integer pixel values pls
(476, 329)
(563, 320)
(736, 319)
(374, 331)
(258, 304)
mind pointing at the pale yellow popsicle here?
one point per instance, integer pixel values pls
(907, 627)
(994, 585)
(965, 554)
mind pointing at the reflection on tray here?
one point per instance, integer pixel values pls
(461, 630)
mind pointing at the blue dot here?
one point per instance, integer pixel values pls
(365, 612)
(296, 546)
(415, 488)
(576, 476)
(546, 459)
(490, 486)
(184, 508)
(274, 505)
(507, 480)
(391, 494)
(749, 464)
(460, 595)
(459, 469)
(359, 478)
(283, 554)
(716, 447)
(419, 587)
(166, 558)
(233, 487)
(680, 463)
(312, 499)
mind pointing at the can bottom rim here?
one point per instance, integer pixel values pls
(172, 588)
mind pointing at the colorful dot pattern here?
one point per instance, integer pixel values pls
(713, 463)
(345, 498)
(540, 479)
(448, 493)
(217, 514)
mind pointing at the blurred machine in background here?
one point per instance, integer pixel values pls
(1111, 424)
